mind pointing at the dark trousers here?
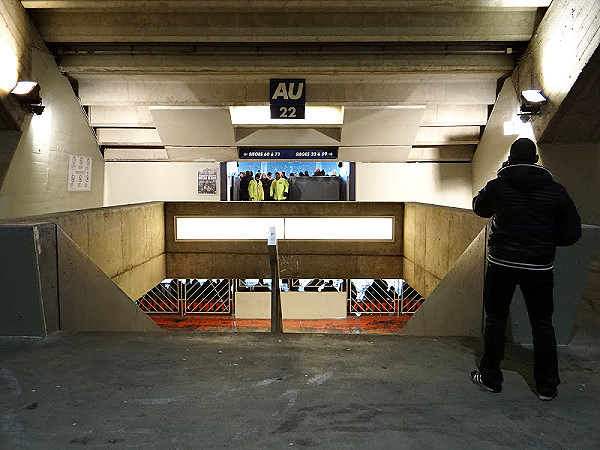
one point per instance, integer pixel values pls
(537, 287)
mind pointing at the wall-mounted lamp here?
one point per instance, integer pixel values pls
(531, 104)
(27, 93)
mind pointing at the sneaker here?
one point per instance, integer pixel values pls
(476, 378)
(547, 398)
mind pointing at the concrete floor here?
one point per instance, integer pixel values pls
(251, 390)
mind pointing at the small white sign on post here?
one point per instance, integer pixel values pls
(272, 240)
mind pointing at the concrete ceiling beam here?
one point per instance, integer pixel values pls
(128, 137)
(452, 115)
(81, 64)
(442, 153)
(284, 26)
(278, 5)
(427, 136)
(135, 154)
(141, 93)
(122, 116)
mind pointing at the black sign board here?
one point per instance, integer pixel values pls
(288, 154)
(287, 98)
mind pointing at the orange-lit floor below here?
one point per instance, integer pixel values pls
(364, 324)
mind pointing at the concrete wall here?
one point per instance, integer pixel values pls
(434, 183)
(49, 284)
(36, 179)
(138, 182)
(455, 306)
(564, 42)
(126, 242)
(298, 259)
(89, 300)
(434, 238)
(577, 168)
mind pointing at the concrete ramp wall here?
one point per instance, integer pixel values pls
(126, 242)
(434, 238)
(89, 300)
(571, 270)
(49, 284)
(455, 307)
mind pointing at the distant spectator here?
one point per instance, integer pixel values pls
(255, 189)
(266, 183)
(283, 175)
(279, 188)
(244, 183)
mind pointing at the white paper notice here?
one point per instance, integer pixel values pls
(80, 173)
(272, 240)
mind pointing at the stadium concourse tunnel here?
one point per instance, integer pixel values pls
(365, 267)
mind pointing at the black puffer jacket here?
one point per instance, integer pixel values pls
(532, 215)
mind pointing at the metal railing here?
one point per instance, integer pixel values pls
(366, 296)
(411, 300)
(216, 296)
(163, 298)
(208, 297)
(189, 296)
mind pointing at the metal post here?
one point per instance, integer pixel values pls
(276, 317)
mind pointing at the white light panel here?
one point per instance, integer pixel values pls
(226, 228)
(340, 228)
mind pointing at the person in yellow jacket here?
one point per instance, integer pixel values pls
(255, 189)
(279, 188)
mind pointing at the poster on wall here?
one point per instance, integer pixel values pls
(80, 173)
(207, 181)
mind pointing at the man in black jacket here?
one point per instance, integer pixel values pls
(532, 214)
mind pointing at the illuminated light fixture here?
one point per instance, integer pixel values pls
(261, 115)
(531, 104)
(24, 87)
(289, 228)
(533, 96)
(340, 228)
(27, 93)
(226, 228)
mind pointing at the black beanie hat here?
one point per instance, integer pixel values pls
(523, 150)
